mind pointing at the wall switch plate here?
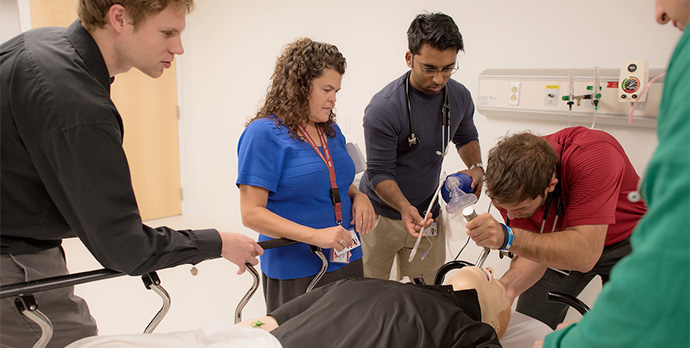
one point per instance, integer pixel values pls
(551, 93)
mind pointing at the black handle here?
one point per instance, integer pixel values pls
(455, 264)
(57, 282)
(90, 276)
(570, 300)
(276, 243)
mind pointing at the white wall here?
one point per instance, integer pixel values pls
(9, 19)
(231, 48)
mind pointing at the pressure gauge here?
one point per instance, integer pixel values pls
(632, 79)
(631, 84)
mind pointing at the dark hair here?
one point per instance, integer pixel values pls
(519, 167)
(436, 29)
(300, 63)
(92, 12)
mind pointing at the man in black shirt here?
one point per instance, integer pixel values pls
(64, 172)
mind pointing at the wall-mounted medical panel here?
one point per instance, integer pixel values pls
(538, 94)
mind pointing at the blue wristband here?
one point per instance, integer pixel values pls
(507, 238)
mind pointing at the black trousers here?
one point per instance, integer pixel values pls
(279, 291)
(534, 302)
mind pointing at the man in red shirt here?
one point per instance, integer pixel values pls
(582, 178)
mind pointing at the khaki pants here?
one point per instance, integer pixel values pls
(68, 313)
(389, 239)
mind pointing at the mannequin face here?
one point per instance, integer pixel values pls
(493, 298)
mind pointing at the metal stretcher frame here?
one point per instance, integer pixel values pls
(270, 244)
(27, 305)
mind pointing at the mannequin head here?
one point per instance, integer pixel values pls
(493, 298)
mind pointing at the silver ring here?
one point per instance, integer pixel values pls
(342, 242)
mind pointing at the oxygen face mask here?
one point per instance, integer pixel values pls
(458, 193)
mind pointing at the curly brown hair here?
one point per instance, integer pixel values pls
(519, 167)
(92, 13)
(287, 97)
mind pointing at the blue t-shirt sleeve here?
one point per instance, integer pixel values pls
(260, 156)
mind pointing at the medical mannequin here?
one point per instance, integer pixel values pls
(491, 296)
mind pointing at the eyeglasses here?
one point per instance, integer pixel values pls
(433, 71)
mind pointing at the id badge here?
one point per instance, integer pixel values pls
(343, 256)
(355, 243)
(432, 231)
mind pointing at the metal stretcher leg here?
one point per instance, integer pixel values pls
(270, 244)
(152, 282)
(324, 265)
(27, 306)
(249, 294)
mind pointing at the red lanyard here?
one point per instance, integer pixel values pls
(335, 193)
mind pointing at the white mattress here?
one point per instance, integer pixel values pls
(210, 336)
(523, 331)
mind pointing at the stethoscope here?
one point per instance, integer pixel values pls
(636, 196)
(413, 139)
(557, 193)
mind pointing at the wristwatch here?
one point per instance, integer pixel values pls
(478, 164)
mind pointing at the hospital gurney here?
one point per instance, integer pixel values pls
(27, 305)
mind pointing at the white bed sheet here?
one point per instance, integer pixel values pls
(209, 336)
(522, 332)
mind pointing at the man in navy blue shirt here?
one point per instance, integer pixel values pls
(408, 127)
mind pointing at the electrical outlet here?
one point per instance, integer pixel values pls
(514, 95)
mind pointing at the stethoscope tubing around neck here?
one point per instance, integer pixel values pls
(445, 118)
